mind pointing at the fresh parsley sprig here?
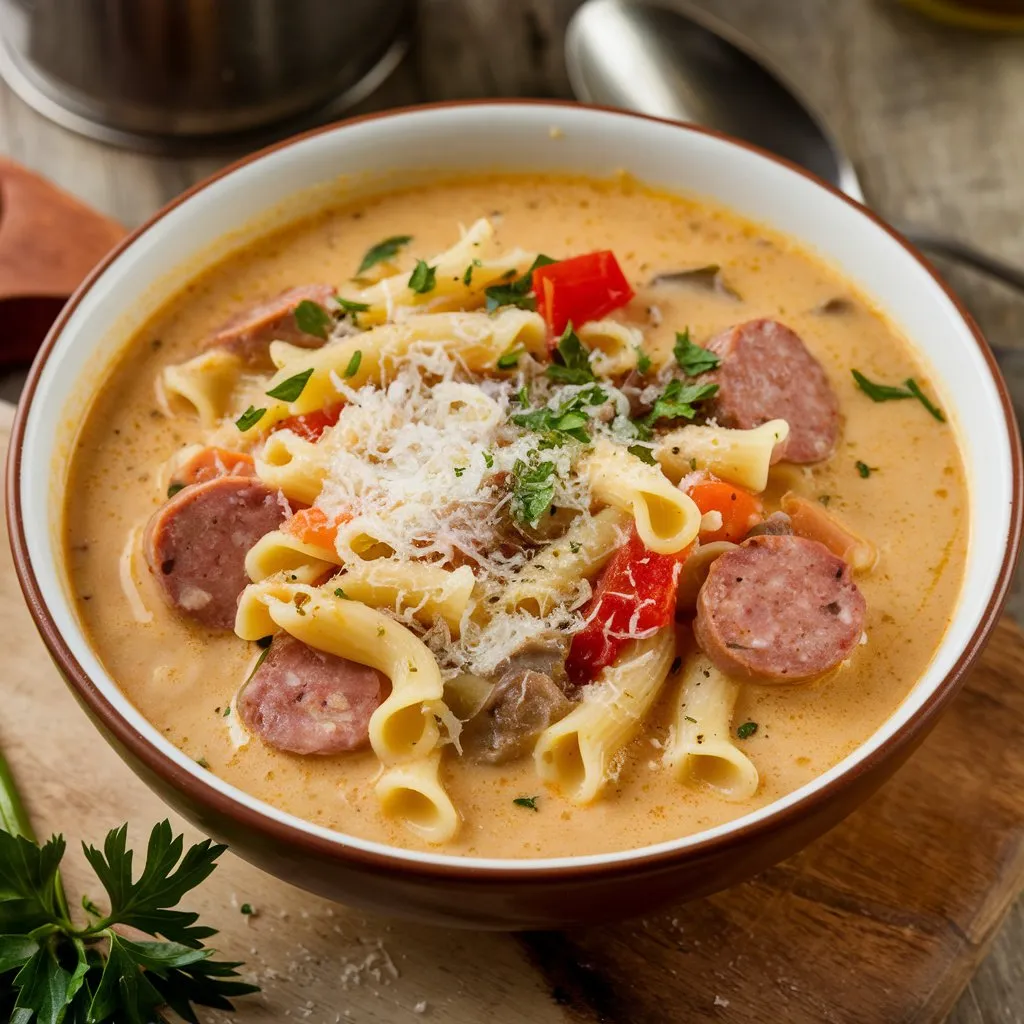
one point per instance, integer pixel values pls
(889, 393)
(691, 358)
(53, 969)
(517, 292)
(569, 418)
(573, 366)
(533, 488)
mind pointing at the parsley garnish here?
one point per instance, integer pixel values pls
(382, 252)
(888, 393)
(526, 801)
(52, 969)
(227, 712)
(174, 488)
(348, 306)
(643, 453)
(459, 470)
(516, 293)
(290, 389)
(338, 592)
(488, 460)
(423, 278)
(566, 419)
(249, 418)
(864, 469)
(689, 719)
(312, 318)
(746, 730)
(467, 277)
(247, 909)
(692, 358)
(677, 401)
(575, 365)
(643, 361)
(574, 546)
(533, 488)
(510, 360)
(353, 364)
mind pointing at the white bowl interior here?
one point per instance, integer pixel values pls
(518, 138)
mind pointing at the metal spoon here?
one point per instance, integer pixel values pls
(681, 63)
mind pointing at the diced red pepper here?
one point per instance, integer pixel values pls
(579, 289)
(636, 593)
(740, 510)
(310, 425)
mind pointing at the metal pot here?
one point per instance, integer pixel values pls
(159, 73)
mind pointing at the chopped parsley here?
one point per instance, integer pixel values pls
(488, 460)
(678, 401)
(247, 909)
(203, 763)
(174, 488)
(526, 801)
(643, 361)
(689, 719)
(746, 730)
(467, 277)
(312, 318)
(290, 389)
(249, 418)
(338, 592)
(574, 367)
(353, 364)
(510, 360)
(382, 252)
(348, 306)
(692, 358)
(889, 393)
(643, 453)
(381, 631)
(227, 712)
(533, 488)
(567, 419)
(459, 470)
(864, 469)
(423, 279)
(517, 292)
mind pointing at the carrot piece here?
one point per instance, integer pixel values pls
(313, 526)
(739, 509)
(211, 463)
(811, 521)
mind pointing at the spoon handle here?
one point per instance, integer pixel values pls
(951, 248)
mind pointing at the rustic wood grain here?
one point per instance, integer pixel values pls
(934, 121)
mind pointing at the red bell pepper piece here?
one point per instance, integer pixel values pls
(310, 425)
(579, 289)
(636, 593)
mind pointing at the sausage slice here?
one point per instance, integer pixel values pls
(248, 334)
(306, 701)
(768, 373)
(779, 609)
(197, 542)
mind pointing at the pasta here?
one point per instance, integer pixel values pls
(614, 345)
(281, 552)
(702, 748)
(206, 382)
(666, 519)
(575, 754)
(740, 456)
(412, 794)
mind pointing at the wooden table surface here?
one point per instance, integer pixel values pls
(933, 118)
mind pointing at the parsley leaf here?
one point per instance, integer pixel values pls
(348, 306)
(249, 418)
(568, 418)
(692, 358)
(510, 360)
(864, 469)
(423, 279)
(643, 361)
(889, 393)
(353, 364)
(467, 277)
(290, 389)
(312, 318)
(526, 801)
(516, 293)
(533, 488)
(643, 453)
(746, 730)
(382, 252)
(575, 361)
(678, 401)
(173, 488)
(488, 460)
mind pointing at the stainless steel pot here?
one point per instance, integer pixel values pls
(160, 73)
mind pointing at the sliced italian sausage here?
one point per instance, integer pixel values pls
(197, 542)
(768, 373)
(248, 334)
(306, 701)
(779, 609)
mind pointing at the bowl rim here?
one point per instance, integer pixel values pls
(221, 805)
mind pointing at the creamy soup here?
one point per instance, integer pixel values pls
(324, 546)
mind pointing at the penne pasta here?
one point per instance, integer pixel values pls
(412, 795)
(206, 382)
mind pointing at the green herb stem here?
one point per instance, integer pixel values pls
(13, 814)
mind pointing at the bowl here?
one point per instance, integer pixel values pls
(398, 146)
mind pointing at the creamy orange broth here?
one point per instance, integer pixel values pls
(913, 507)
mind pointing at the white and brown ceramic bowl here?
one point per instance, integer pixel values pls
(278, 184)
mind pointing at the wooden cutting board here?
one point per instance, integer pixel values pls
(881, 921)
